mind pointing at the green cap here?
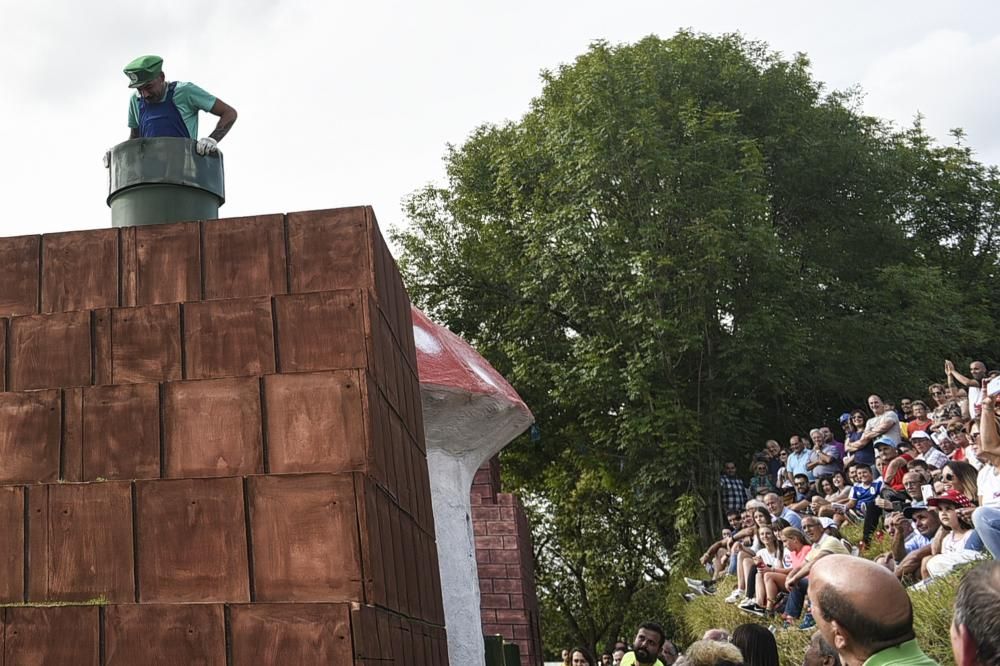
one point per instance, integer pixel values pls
(143, 69)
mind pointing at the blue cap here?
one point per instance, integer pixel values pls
(885, 441)
(914, 508)
(845, 417)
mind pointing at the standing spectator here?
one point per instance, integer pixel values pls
(830, 439)
(920, 421)
(732, 488)
(863, 612)
(798, 460)
(772, 451)
(860, 451)
(606, 659)
(708, 652)
(905, 412)
(975, 628)
(978, 372)
(883, 424)
(757, 645)
(618, 655)
(945, 409)
(825, 458)
(924, 445)
(581, 657)
(649, 639)
(820, 653)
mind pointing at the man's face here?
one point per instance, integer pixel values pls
(729, 469)
(852, 474)
(618, 656)
(646, 646)
(795, 443)
(813, 656)
(827, 434)
(606, 660)
(153, 91)
(886, 452)
(864, 475)
(922, 444)
(978, 370)
(813, 529)
(817, 437)
(875, 404)
(801, 486)
(920, 411)
(735, 519)
(927, 523)
(911, 484)
(668, 653)
(906, 405)
(774, 504)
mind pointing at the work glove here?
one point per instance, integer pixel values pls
(207, 146)
(107, 159)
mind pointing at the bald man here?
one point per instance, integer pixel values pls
(864, 613)
(975, 638)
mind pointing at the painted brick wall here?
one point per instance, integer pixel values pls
(509, 602)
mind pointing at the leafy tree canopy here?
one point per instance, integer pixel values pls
(683, 248)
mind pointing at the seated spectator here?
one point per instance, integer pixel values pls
(732, 489)
(920, 467)
(828, 494)
(893, 466)
(913, 484)
(803, 494)
(922, 442)
(797, 544)
(959, 438)
(797, 580)
(761, 479)
(864, 613)
(949, 547)
(908, 563)
(975, 627)
(712, 653)
(769, 557)
(756, 644)
(716, 635)
(820, 653)
(776, 505)
(962, 477)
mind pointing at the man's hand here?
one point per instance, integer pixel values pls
(207, 146)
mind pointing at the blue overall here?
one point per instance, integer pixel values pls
(162, 118)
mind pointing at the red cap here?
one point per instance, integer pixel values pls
(953, 496)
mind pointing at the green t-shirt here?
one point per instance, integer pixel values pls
(189, 100)
(629, 660)
(904, 654)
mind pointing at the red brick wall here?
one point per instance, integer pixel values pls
(509, 602)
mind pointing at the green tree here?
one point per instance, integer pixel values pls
(683, 248)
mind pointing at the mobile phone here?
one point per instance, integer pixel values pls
(993, 388)
(840, 508)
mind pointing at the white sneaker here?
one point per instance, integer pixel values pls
(734, 596)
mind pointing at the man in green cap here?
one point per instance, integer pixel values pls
(170, 108)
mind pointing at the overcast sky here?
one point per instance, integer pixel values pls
(353, 103)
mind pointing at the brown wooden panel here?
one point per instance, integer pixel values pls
(50, 351)
(80, 270)
(52, 636)
(245, 256)
(72, 445)
(315, 423)
(89, 551)
(38, 540)
(12, 544)
(19, 275)
(167, 263)
(372, 564)
(328, 249)
(305, 538)
(228, 338)
(129, 268)
(165, 635)
(384, 508)
(364, 631)
(121, 432)
(101, 332)
(291, 634)
(146, 344)
(29, 437)
(212, 428)
(192, 541)
(4, 326)
(321, 331)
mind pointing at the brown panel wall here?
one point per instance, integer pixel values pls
(328, 249)
(321, 331)
(291, 634)
(121, 432)
(29, 437)
(192, 541)
(245, 256)
(212, 428)
(80, 270)
(305, 538)
(19, 275)
(146, 344)
(228, 338)
(52, 636)
(88, 551)
(12, 544)
(316, 423)
(50, 351)
(163, 263)
(165, 634)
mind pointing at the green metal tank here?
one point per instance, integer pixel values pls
(163, 179)
(494, 650)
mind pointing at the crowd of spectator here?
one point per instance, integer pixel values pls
(923, 478)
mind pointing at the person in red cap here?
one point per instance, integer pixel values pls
(949, 547)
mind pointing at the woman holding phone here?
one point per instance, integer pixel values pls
(770, 557)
